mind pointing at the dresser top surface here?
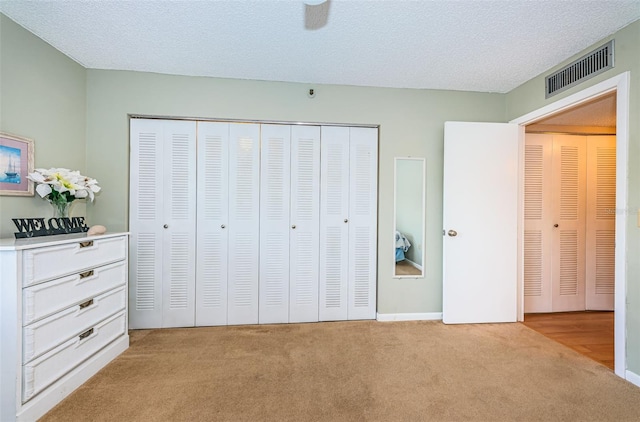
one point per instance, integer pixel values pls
(10, 244)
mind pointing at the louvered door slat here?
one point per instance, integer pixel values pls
(363, 170)
(244, 223)
(179, 207)
(305, 216)
(213, 219)
(601, 214)
(274, 223)
(334, 218)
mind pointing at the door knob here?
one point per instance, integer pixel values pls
(166, 226)
(293, 226)
(346, 220)
(555, 225)
(222, 226)
(452, 233)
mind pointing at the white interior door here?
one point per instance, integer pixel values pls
(480, 222)
(334, 219)
(305, 223)
(274, 223)
(363, 206)
(145, 224)
(569, 219)
(179, 240)
(244, 223)
(538, 226)
(213, 219)
(601, 218)
(162, 222)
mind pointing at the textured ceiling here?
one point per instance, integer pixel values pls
(599, 112)
(467, 45)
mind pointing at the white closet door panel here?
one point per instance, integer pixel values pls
(334, 227)
(363, 206)
(569, 195)
(213, 219)
(305, 216)
(179, 244)
(274, 223)
(538, 225)
(145, 214)
(244, 222)
(601, 218)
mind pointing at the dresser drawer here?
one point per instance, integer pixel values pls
(48, 298)
(50, 262)
(51, 366)
(47, 333)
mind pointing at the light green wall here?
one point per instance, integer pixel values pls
(411, 123)
(409, 205)
(42, 97)
(530, 96)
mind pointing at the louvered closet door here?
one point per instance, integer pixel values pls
(213, 219)
(244, 221)
(363, 205)
(538, 226)
(162, 223)
(568, 273)
(274, 223)
(305, 216)
(179, 243)
(145, 226)
(600, 236)
(334, 219)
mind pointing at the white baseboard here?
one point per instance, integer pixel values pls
(633, 378)
(427, 316)
(414, 265)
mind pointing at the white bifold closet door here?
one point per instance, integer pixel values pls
(305, 223)
(569, 222)
(289, 221)
(162, 215)
(274, 223)
(348, 220)
(569, 226)
(244, 223)
(213, 221)
(228, 225)
(601, 222)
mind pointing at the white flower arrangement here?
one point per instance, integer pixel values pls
(62, 186)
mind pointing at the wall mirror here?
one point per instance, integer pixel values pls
(409, 206)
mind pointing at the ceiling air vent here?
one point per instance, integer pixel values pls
(585, 67)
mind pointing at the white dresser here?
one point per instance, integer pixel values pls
(63, 316)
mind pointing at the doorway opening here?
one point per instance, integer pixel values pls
(619, 87)
(569, 227)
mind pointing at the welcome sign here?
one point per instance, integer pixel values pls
(34, 227)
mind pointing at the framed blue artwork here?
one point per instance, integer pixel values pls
(16, 162)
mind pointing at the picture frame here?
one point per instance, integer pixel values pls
(16, 162)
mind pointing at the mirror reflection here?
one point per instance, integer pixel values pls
(409, 206)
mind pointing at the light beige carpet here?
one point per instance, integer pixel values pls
(351, 371)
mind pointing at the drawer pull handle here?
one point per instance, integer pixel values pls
(86, 244)
(87, 303)
(86, 334)
(86, 274)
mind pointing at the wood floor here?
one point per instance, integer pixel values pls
(404, 268)
(589, 333)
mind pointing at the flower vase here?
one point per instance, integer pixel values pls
(60, 209)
